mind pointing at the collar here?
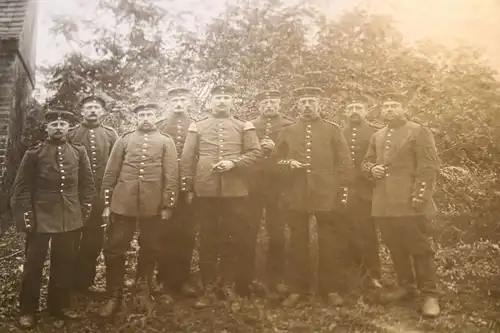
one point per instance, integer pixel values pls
(91, 125)
(397, 123)
(56, 142)
(144, 131)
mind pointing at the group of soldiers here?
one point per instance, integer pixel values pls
(85, 189)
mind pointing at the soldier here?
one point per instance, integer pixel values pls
(98, 141)
(214, 163)
(266, 186)
(140, 184)
(52, 198)
(402, 158)
(175, 266)
(365, 254)
(315, 154)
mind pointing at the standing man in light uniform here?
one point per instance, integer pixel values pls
(98, 141)
(358, 196)
(403, 160)
(179, 238)
(140, 184)
(214, 165)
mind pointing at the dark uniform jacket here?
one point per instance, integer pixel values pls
(98, 142)
(360, 190)
(409, 154)
(210, 141)
(54, 182)
(321, 144)
(264, 177)
(142, 175)
(177, 125)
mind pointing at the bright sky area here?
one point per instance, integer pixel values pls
(447, 21)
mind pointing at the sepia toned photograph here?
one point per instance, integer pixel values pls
(244, 166)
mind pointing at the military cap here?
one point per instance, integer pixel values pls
(144, 106)
(394, 97)
(93, 97)
(223, 90)
(267, 94)
(356, 99)
(58, 114)
(308, 92)
(177, 91)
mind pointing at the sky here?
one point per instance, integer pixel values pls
(474, 22)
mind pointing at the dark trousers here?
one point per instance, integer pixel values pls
(89, 246)
(118, 237)
(177, 247)
(62, 255)
(364, 244)
(332, 247)
(225, 236)
(411, 251)
(275, 227)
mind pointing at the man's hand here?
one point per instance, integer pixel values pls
(189, 197)
(267, 144)
(378, 171)
(297, 165)
(106, 212)
(223, 166)
(166, 214)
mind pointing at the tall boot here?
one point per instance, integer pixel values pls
(144, 295)
(112, 305)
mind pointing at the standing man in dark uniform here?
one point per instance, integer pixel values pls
(175, 264)
(140, 184)
(52, 197)
(266, 188)
(98, 141)
(214, 166)
(315, 154)
(358, 196)
(403, 159)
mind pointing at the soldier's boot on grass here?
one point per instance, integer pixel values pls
(111, 306)
(188, 291)
(292, 300)
(27, 321)
(334, 299)
(398, 295)
(146, 302)
(207, 299)
(430, 307)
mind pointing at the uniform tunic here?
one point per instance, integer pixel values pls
(176, 125)
(321, 144)
(142, 175)
(210, 141)
(55, 183)
(98, 142)
(409, 155)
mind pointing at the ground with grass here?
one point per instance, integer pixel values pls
(467, 274)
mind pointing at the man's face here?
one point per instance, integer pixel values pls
(57, 129)
(221, 104)
(180, 103)
(92, 111)
(392, 111)
(269, 107)
(356, 112)
(308, 107)
(146, 119)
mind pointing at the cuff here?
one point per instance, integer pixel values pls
(344, 191)
(420, 189)
(169, 201)
(187, 184)
(107, 197)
